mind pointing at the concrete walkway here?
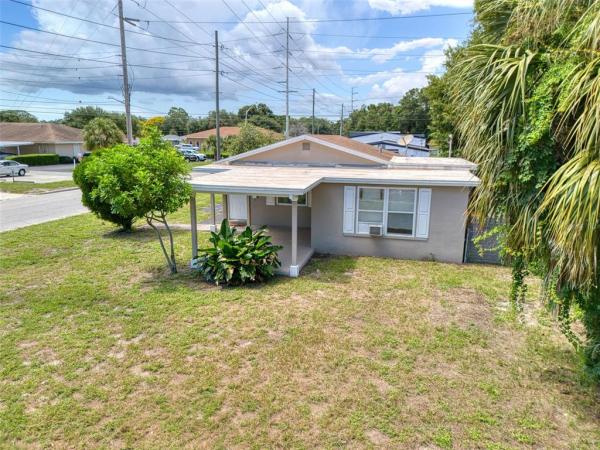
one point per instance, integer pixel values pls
(24, 210)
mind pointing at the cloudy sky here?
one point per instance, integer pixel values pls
(53, 61)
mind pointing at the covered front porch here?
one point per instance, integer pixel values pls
(295, 238)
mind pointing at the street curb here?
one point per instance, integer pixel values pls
(54, 191)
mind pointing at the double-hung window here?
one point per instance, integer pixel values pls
(392, 209)
(401, 212)
(371, 202)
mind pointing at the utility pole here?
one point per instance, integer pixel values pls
(287, 77)
(342, 120)
(126, 93)
(218, 132)
(450, 146)
(352, 101)
(312, 130)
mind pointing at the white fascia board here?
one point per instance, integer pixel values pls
(283, 192)
(400, 182)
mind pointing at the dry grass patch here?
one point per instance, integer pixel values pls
(358, 352)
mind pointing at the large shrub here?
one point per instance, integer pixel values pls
(37, 159)
(237, 259)
(122, 183)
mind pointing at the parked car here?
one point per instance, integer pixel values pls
(191, 155)
(11, 168)
(187, 147)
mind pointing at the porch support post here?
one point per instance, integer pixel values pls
(249, 210)
(225, 207)
(294, 269)
(213, 212)
(194, 226)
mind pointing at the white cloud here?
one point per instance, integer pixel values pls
(411, 6)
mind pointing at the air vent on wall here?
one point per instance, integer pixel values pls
(306, 146)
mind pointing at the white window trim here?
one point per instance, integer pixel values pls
(386, 212)
(358, 210)
(414, 212)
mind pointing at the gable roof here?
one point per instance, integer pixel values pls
(335, 142)
(225, 132)
(40, 133)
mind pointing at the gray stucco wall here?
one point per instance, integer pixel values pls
(276, 215)
(446, 228)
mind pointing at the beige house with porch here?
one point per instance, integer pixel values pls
(331, 194)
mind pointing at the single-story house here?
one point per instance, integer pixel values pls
(25, 138)
(199, 138)
(332, 194)
(393, 140)
(173, 139)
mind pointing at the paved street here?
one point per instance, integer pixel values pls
(23, 210)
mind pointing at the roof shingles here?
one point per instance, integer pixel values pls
(40, 133)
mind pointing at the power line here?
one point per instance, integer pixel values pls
(372, 36)
(349, 19)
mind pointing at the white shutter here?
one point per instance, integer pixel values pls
(349, 208)
(270, 200)
(423, 213)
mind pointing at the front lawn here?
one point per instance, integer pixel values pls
(101, 347)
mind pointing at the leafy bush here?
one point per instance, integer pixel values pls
(101, 132)
(237, 259)
(37, 159)
(65, 160)
(123, 183)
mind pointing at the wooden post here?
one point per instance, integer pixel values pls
(248, 210)
(294, 266)
(194, 225)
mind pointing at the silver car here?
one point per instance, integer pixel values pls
(11, 168)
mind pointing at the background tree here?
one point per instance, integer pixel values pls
(526, 88)
(81, 116)
(177, 121)
(442, 115)
(101, 132)
(250, 137)
(17, 115)
(156, 121)
(412, 113)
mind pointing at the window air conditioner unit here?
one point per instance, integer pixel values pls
(375, 230)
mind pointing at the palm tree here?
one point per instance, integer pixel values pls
(527, 92)
(101, 132)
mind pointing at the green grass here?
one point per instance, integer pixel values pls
(101, 347)
(27, 188)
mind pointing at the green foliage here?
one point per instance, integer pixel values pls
(238, 259)
(177, 121)
(410, 115)
(17, 115)
(81, 116)
(37, 159)
(101, 132)
(123, 183)
(525, 91)
(250, 137)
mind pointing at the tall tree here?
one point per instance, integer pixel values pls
(442, 115)
(17, 115)
(527, 93)
(177, 121)
(412, 113)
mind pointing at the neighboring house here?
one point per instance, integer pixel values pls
(391, 140)
(24, 138)
(173, 139)
(198, 139)
(332, 194)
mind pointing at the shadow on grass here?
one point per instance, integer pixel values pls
(141, 234)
